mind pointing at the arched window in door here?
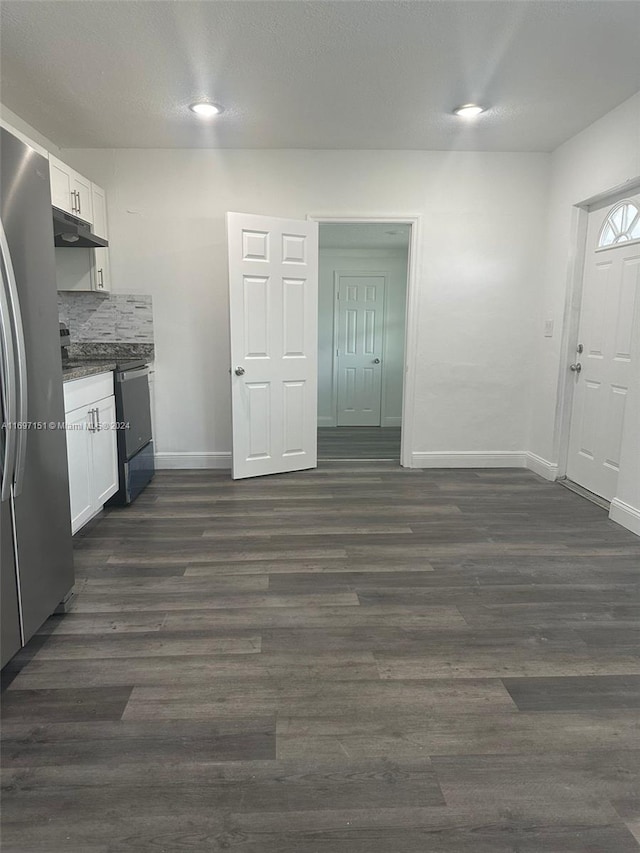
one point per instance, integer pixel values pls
(621, 225)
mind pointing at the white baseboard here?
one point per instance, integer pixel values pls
(391, 421)
(469, 459)
(326, 421)
(541, 466)
(165, 461)
(626, 515)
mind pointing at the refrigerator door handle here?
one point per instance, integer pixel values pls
(19, 443)
(8, 389)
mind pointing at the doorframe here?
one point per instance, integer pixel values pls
(572, 310)
(411, 316)
(337, 274)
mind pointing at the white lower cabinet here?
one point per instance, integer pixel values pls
(90, 416)
(104, 452)
(79, 456)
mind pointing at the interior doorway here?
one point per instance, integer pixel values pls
(362, 309)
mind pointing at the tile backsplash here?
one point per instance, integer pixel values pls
(94, 318)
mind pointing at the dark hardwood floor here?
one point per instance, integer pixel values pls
(379, 443)
(357, 659)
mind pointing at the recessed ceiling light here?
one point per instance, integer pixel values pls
(204, 109)
(469, 110)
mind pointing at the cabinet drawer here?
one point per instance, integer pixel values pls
(85, 391)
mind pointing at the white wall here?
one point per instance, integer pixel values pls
(393, 262)
(602, 157)
(496, 251)
(479, 278)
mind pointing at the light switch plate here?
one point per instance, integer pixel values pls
(548, 328)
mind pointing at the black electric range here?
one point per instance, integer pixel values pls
(134, 435)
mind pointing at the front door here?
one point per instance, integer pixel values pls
(360, 328)
(273, 303)
(603, 369)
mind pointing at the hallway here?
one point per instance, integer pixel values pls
(369, 443)
(356, 659)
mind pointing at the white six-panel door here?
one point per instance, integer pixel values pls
(359, 328)
(610, 290)
(273, 301)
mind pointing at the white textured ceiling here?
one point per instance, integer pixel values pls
(317, 73)
(363, 235)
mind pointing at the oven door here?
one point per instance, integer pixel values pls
(133, 407)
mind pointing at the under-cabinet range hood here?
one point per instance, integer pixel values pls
(72, 233)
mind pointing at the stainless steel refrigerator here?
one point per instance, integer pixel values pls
(35, 530)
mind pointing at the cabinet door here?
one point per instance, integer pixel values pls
(99, 205)
(82, 188)
(101, 273)
(105, 453)
(60, 177)
(80, 465)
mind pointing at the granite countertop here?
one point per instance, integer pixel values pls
(88, 359)
(80, 369)
(111, 351)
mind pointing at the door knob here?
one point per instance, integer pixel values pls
(576, 368)
(376, 361)
(239, 371)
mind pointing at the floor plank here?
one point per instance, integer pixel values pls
(575, 692)
(64, 704)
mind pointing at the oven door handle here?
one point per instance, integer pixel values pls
(128, 375)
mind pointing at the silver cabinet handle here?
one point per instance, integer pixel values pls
(100, 279)
(575, 368)
(376, 361)
(74, 202)
(79, 201)
(239, 371)
(97, 420)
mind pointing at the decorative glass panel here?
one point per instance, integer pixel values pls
(622, 224)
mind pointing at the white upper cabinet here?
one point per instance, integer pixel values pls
(82, 188)
(75, 194)
(70, 191)
(99, 205)
(60, 177)
(101, 271)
